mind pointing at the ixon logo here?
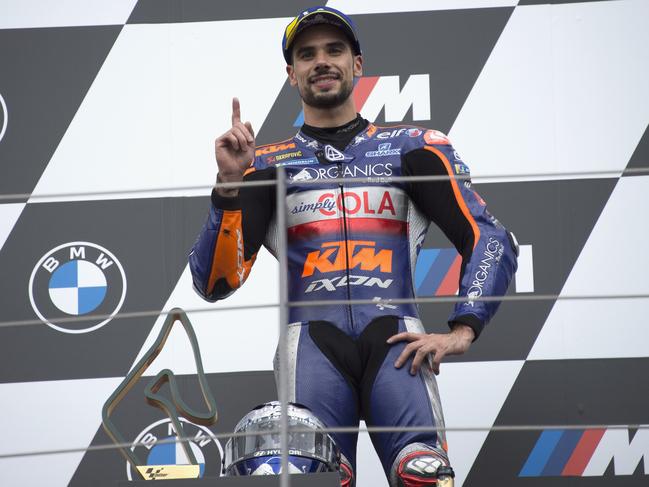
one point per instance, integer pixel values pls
(362, 254)
(375, 93)
(587, 453)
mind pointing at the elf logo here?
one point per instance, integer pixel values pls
(588, 453)
(372, 94)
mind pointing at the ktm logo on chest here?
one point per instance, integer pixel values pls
(269, 149)
(362, 254)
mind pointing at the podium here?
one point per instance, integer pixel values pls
(331, 479)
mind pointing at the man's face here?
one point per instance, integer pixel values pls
(324, 66)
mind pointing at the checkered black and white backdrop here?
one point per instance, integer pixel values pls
(108, 112)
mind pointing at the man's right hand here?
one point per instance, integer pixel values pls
(234, 151)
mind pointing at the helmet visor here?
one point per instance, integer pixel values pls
(262, 438)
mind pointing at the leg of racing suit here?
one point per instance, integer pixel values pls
(343, 378)
(397, 398)
(315, 383)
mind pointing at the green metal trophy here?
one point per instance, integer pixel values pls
(173, 408)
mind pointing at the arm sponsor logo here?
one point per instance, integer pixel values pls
(491, 256)
(241, 272)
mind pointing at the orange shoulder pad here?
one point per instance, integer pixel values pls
(433, 137)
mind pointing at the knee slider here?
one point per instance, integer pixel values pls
(418, 465)
(347, 478)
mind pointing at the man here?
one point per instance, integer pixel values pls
(357, 240)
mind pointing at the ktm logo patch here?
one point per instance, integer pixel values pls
(269, 149)
(362, 253)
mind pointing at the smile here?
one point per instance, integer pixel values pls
(324, 79)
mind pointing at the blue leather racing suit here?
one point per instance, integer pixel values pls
(359, 240)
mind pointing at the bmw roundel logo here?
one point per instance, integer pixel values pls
(151, 451)
(77, 279)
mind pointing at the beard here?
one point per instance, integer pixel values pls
(326, 100)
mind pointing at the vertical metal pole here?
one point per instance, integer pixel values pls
(284, 480)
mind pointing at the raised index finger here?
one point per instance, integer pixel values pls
(236, 111)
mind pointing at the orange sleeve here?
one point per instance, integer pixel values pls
(228, 262)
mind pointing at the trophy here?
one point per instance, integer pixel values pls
(172, 407)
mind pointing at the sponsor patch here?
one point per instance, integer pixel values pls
(384, 150)
(299, 162)
(491, 256)
(362, 202)
(270, 149)
(390, 134)
(281, 157)
(377, 172)
(332, 154)
(341, 281)
(362, 254)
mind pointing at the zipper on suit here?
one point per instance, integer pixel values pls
(344, 212)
